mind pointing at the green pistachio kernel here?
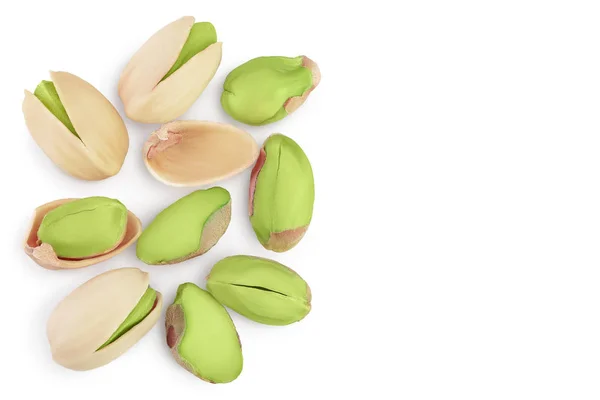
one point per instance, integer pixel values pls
(260, 289)
(202, 35)
(137, 315)
(187, 228)
(202, 336)
(84, 228)
(282, 194)
(256, 92)
(47, 94)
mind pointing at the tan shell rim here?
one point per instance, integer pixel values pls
(176, 140)
(87, 317)
(45, 256)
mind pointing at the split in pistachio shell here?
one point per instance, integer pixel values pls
(101, 319)
(282, 194)
(192, 153)
(76, 127)
(76, 233)
(170, 71)
(267, 89)
(202, 336)
(187, 228)
(260, 289)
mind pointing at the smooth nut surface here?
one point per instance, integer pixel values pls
(170, 71)
(260, 289)
(202, 336)
(76, 228)
(193, 153)
(82, 323)
(282, 194)
(93, 143)
(187, 228)
(267, 89)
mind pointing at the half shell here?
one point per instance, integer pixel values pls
(192, 153)
(89, 315)
(45, 256)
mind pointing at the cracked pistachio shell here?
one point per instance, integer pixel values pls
(260, 289)
(93, 143)
(76, 233)
(84, 321)
(170, 71)
(193, 153)
(282, 194)
(202, 336)
(187, 228)
(267, 89)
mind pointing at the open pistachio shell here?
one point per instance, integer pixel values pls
(193, 153)
(82, 323)
(149, 88)
(97, 147)
(44, 255)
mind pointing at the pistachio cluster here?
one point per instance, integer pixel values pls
(78, 128)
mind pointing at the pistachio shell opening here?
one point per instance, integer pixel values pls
(81, 329)
(76, 127)
(187, 228)
(260, 289)
(45, 255)
(202, 336)
(193, 153)
(282, 194)
(267, 89)
(154, 87)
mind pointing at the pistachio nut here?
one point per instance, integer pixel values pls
(102, 319)
(267, 89)
(76, 233)
(193, 153)
(260, 289)
(76, 127)
(170, 71)
(282, 194)
(187, 228)
(202, 336)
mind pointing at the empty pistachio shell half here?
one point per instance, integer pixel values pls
(102, 319)
(170, 71)
(282, 194)
(76, 126)
(260, 289)
(76, 233)
(193, 153)
(187, 228)
(267, 89)
(202, 336)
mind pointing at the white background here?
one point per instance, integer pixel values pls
(453, 252)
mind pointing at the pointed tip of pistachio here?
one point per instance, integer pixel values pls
(293, 103)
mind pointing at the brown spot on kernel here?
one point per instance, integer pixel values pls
(262, 157)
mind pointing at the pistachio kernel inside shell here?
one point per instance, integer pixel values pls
(47, 94)
(202, 35)
(137, 315)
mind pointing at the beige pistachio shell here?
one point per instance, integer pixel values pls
(145, 97)
(104, 142)
(89, 315)
(192, 153)
(45, 256)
